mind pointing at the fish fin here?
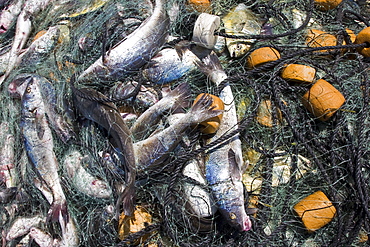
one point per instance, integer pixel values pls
(181, 95)
(211, 67)
(234, 165)
(182, 48)
(39, 124)
(202, 110)
(57, 209)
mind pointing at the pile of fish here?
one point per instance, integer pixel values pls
(100, 119)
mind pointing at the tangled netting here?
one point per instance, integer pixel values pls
(335, 152)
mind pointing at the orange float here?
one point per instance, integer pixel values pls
(201, 5)
(211, 125)
(363, 37)
(298, 73)
(327, 4)
(318, 38)
(261, 56)
(315, 211)
(323, 100)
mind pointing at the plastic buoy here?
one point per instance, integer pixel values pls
(327, 4)
(204, 29)
(363, 37)
(298, 73)
(261, 56)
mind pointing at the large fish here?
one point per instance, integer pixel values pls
(134, 51)
(155, 149)
(107, 116)
(224, 165)
(39, 145)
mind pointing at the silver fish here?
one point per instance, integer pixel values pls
(177, 98)
(23, 30)
(22, 226)
(39, 145)
(82, 179)
(17, 88)
(107, 116)
(155, 149)
(7, 162)
(42, 238)
(170, 64)
(224, 165)
(134, 51)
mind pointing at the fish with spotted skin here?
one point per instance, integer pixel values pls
(224, 165)
(134, 51)
(39, 145)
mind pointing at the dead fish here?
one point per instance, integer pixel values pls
(48, 94)
(39, 144)
(240, 21)
(177, 98)
(134, 51)
(224, 165)
(23, 30)
(22, 226)
(155, 149)
(8, 174)
(170, 64)
(82, 180)
(42, 238)
(107, 116)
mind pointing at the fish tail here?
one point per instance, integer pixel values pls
(57, 209)
(179, 97)
(203, 109)
(212, 68)
(127, 200)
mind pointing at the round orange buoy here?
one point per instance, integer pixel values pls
(211, 125)
(298, 73)
(327, 4)
(315, 211)
(261, 56)
(201, 5)
(323, 100)
(363, 37)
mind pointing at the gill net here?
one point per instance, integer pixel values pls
(331, 156)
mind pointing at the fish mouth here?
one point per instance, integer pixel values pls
(3, 29)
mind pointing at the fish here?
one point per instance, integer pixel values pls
(108, 116)
(23, 30)
(42, 238)
(134, 51)
(240, 21)
(57, 120)
(22, 226)
(9, 14)
(39, 145)
(152, 151)
(177, 98)
(8, 174)
(170, 64)
(224, 164)
(145, 98)
(82, 180)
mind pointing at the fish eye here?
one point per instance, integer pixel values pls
(232, 216)
(28, 90)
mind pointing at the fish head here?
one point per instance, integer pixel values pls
(18, 86)
(238, 49)
(237, 218)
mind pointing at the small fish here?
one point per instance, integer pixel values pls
(224, 165)
(170, 64)
(22, 226)
(82, 180)
(8, 174)
(240, 21)
(39, 145)
(108, 116)
(177, 98)
(42, 238)
(57, 121)
(134, 51)
(154, 150)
